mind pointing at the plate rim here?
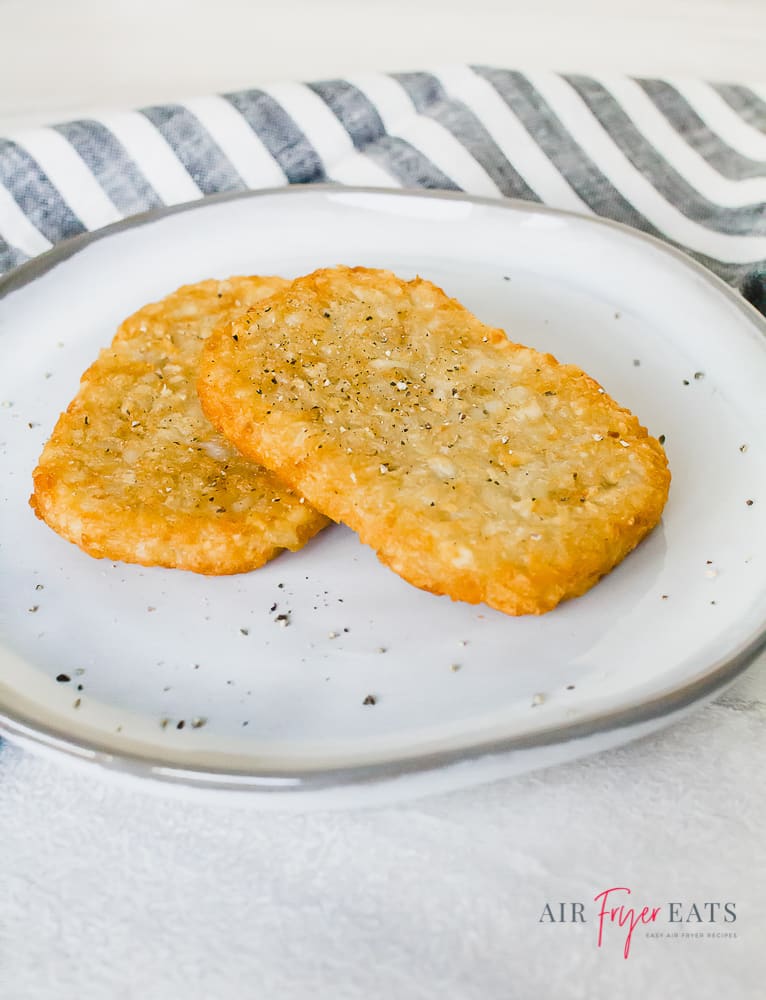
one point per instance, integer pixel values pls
(16, 727)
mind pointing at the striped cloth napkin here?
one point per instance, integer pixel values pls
(682, 160)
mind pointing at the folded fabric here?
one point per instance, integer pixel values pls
(682, 160)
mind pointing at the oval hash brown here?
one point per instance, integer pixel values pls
(474, 467)
(134, 471)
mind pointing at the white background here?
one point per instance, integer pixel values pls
(59, 58)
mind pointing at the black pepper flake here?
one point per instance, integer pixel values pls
(39, 586)
(743, 448)
(79, 687)
(686, 381)
(283, 620)
(180, 724)
(636, 362)
(664, 597)
(570, 687)
(235, 336)
(63, 678)
(273, 608)
(245, 631)
(370, 700)
(699, 375)
(661, 439)
(749, 502)
(35, 607)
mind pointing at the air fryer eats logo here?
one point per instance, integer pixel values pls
(617, 916)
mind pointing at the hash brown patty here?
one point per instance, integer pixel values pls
(474, 466)
(135, 472)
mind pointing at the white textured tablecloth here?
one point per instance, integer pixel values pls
(113, 893)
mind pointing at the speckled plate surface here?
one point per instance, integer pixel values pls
(376, 690)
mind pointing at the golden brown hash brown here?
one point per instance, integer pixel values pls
(475, 467)
(134, 471)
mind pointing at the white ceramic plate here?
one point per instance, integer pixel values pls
(283, 708)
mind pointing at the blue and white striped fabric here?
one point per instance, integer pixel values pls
(683, 160)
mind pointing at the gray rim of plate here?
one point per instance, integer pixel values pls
(720, 673)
